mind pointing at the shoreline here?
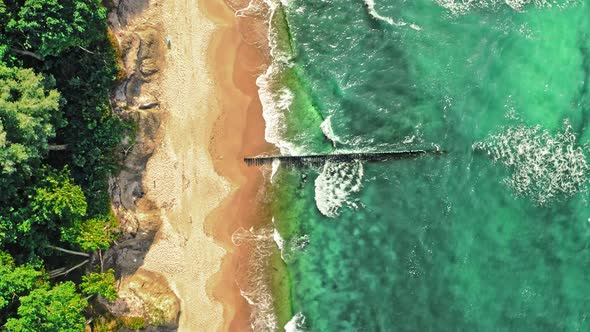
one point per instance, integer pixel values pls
(239, 132)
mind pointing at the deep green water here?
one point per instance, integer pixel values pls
(494, 235)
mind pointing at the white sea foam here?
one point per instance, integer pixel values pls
(275, 168)
(371, 7)
(544, 166)
(257, 289)
(289, 248)
(276, 101)
(459, 7)
(335, 184)
(409, 139)
(276, 236)
(326, 127)
(296, 323)
(294, 246)
(274, 106)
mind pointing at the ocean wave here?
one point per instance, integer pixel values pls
(335, 184)
(276, 163)
(275, 98)
(459, 7)
(373, 12)
(545, 167)
(371, 8)
(289, 248)
(275, 103)
(326, 127)
(296, 323)
(257, 288)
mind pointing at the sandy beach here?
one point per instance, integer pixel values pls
(194, 182)
(179, 177)
(237, 60)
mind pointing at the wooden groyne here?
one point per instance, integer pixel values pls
(319, 159)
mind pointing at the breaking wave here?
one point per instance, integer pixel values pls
(460, 7)
(257, 288)
(326, 127)
(276, 163)
(274, 106)
(371, 7)
(296, 323)
(275, 98)
(373, 12)
(545, 166)
(335, 184)
(289, 248)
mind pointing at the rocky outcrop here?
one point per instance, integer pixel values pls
(144, 296)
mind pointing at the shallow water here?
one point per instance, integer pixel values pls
(493, 235)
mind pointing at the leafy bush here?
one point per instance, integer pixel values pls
(102, 284)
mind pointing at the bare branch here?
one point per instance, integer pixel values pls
(85, 50)
(58, 147)
(58, 272)
(69, 251)
(31, 54)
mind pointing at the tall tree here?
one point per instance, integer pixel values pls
(48, 27)
(15, 280)
(55, 203)
(58, 201)
(47, 309)
(28, 113)
(91, 234)
(4, 17)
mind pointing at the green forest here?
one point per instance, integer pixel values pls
(58, 145)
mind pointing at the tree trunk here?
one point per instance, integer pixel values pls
(58, 147)
(31, 54)
(60, 272)
(101, 262)
(69, 251)
(85, 50)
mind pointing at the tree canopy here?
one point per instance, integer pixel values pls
(48, 27)
(90, 234)
(55, 203)
(15, 280)
(46, 309)
(58, 201)
(57, 68)
(28, 113)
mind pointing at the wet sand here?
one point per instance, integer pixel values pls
(239, 132)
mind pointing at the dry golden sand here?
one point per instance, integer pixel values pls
(179, 177)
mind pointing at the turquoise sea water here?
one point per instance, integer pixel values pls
(492, 236)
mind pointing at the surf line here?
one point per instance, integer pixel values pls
(371, 8)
